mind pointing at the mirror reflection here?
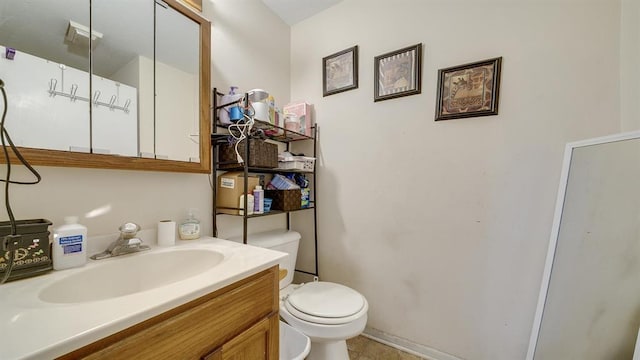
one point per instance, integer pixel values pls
(177, 85)
(144, 98)
(44, 63)
(119, 76)
(593, 299)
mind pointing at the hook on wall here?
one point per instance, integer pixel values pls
(95, 100)
(112, 102)
(53, 83)
(73, 91)
(96, 97)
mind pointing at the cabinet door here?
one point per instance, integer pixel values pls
(215, 355)
(257, 343)
(215, 321)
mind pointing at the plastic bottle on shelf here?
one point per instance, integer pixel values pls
(250, 202)
(291, 122)
(258, 197)
(278, 120)
(69, 244)
(224, 112)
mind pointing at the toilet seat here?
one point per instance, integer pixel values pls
(326, 303)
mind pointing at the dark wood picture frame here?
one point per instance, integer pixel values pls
(398, 73)
(469, 90)
(340, 71)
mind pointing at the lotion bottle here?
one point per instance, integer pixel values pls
(69, 244)
(189, 229)
(258, 200)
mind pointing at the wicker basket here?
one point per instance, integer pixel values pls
(261, 155)
(285, 200)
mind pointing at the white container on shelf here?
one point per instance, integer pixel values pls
(302, 163)
(250, 202)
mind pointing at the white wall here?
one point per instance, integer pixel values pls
(629, 59)
(251, 49)
(443, 226)
(147, 197)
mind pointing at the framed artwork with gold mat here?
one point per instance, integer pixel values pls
(468, 90)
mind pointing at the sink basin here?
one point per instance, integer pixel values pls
(130, 274)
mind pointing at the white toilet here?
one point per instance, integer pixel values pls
(327, 313)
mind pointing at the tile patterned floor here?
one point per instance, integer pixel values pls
(362, 348)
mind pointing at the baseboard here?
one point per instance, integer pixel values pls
(407, 346)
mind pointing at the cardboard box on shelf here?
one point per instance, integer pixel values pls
(303, 111)
(230, 187)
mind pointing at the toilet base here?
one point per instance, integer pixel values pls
(330, 350)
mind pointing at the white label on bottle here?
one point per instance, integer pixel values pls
(190, 229)
(229, 183)
(71, 244)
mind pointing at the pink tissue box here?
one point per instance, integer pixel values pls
(303, 111)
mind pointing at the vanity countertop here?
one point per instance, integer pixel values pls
(33, 329)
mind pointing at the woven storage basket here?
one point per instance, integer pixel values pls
(261, 154)
(285, 200)
(33, 253)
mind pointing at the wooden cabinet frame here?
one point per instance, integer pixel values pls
(241, 318)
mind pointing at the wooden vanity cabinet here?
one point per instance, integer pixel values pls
(237, 322)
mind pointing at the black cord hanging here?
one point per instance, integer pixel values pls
(11, 239)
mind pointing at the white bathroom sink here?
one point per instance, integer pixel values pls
(80, 306)
(130, 274)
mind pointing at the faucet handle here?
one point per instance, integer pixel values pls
(134, 241)
(129, 229)
(135, 244)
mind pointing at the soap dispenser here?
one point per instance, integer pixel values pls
(189, 229)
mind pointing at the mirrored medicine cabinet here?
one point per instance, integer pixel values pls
(115, 84)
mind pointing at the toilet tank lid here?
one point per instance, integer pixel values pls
(271, 238)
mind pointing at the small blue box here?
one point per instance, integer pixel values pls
(305, 197)
(267, 204)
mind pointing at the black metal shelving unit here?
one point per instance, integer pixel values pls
(279, 134)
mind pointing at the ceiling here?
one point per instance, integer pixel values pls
(38, 27)
(294, 11)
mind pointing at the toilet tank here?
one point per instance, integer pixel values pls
(286, 241)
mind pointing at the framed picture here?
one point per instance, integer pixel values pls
(468, 90)
(340, 71)
(397, 73)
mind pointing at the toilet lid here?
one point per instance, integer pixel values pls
(325, 302)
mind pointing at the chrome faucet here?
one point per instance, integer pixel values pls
(126, 243)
